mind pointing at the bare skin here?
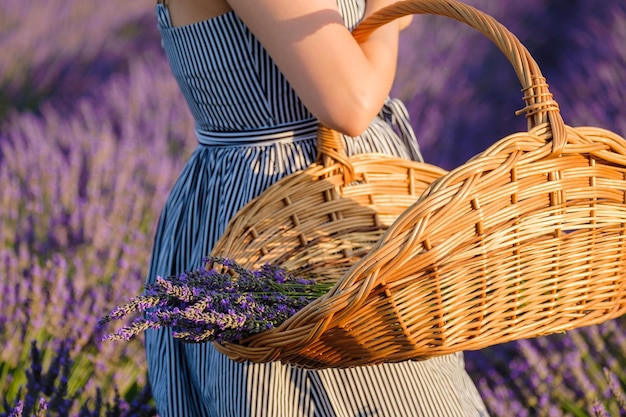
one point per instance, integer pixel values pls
(343, 83)
(186, 12)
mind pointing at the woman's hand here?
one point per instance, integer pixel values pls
(405, 21)
(343, 83)
(373, 6)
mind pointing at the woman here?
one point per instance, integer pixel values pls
(258, 76)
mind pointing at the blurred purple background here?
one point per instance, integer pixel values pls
(93, 132)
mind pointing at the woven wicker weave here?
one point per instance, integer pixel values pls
(527, 238)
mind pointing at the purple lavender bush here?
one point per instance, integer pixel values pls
(579, 373)
(462, 93)
(593, 87)
(460, 102)
(64, 49)
(46, 392)
(79, 200)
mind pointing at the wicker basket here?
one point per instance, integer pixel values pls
(526, 239)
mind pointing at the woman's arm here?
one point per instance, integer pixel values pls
(343, 83)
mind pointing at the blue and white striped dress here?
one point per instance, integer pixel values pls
(252, 130)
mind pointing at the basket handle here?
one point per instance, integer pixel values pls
(330, 150)
(540, 106)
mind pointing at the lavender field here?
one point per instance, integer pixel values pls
(93, 132)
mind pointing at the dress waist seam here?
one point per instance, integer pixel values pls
(287, 133)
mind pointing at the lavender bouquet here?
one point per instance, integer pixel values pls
(224, 304)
